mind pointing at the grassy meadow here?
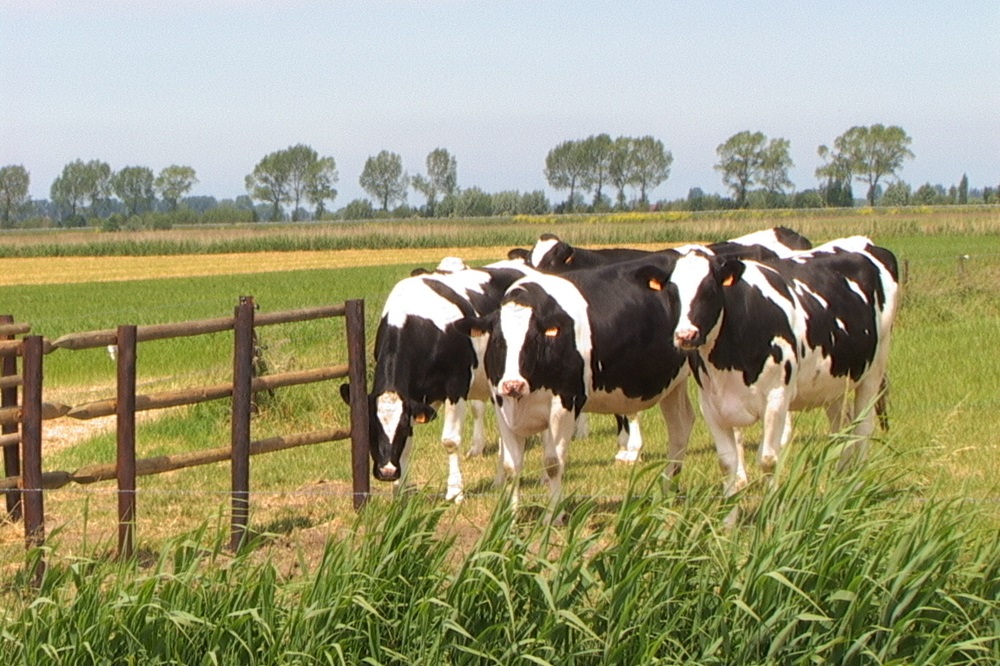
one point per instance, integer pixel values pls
(896, 564)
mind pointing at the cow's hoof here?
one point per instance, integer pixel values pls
(626, 456)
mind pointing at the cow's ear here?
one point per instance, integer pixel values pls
(419, 271)
(345, 393)
(520, 253)
(422, 413)
(730, 272)
(654, 277)
(473, 327)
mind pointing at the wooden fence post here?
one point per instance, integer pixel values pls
(242, 405)
(8, 398)
(31, 448)
(357, 373)
(125, 465)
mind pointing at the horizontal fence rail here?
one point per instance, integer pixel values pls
(25, 480)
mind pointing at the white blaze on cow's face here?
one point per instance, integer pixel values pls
(389, 411)
(691, 276)
(515, 318)
(542, 247)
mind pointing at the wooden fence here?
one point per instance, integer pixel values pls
(25, 481)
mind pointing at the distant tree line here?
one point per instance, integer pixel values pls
(598, 173)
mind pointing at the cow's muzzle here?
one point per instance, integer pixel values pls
(387, 472)
(514, 388)
(687, 338)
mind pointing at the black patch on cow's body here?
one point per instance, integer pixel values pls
(421, 362)
(562, 258)
(750, 323)
(628, 321)
(792, 239)
(845, 327)
(452, 296)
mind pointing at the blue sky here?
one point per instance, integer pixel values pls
(217, 84)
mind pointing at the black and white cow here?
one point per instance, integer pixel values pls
(555, 256)
(421, 362)
(783, 335)
(583, 342)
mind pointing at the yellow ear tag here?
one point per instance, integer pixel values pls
(477, 333)
(420, 418)
(655, 284)
(729, 281)
(551, 332)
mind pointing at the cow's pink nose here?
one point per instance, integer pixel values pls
(514, 388)
(686, 337)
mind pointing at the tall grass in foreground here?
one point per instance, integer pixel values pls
(828, 568)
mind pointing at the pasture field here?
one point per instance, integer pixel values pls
(933, 477)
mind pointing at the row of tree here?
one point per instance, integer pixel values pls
(754, 168)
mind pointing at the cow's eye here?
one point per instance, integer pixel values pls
(552, 332)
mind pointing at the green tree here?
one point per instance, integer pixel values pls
(597, 153)
(897, 194)
(269, 182)
(651, 165)
(309, 177)
(14, 183)
(384, 180)
(963, 190)
(441, 178)
(740, 159)
(134, 186)
(928, 195)
(622, 166)
(873, 153)
(835, 179)
(173, 182)
(79, 183)
(775, 161)
(319, 188)
(565, 168)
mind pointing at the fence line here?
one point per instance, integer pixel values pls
(25, 481)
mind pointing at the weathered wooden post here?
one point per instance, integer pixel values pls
(357, 375)
(125, 465)
(242, 406)
(31, 448)
(8, 398)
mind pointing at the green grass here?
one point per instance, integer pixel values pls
(829, 569)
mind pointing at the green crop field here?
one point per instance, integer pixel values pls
(894, 562)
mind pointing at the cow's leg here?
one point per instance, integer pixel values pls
(679, 417)
(728, 447)
(451, 440)
(629, 438)
(510, 460)
(478, 427)
(837, 414)
(582, 426)
(775, 424)
(866, 394)
(555, 439)
(399, 485)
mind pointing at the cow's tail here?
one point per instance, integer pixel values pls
(882, 403)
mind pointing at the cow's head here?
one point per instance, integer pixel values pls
(696, 282)
(532, 343)
(390, 425)
(551, 255)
